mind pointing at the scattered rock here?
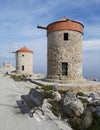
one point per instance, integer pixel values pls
(55, 87)
(98, 111)
(94, 96)
(82, 111)
(46, 104)
(86, 120)
(57, 95)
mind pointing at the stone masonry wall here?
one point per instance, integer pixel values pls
(26, 60)
(60, 50)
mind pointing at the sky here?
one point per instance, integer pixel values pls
(18, 28)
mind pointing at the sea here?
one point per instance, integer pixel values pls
(89, 72)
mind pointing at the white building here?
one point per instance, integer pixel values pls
(7, 67)
(24, 61)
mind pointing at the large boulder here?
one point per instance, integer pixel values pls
(71, 105)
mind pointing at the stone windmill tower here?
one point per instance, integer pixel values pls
(64, 48)
(24, 61)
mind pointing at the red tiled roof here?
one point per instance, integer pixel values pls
(24, 49)
(65, 24)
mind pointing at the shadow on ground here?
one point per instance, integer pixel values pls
(23, 107)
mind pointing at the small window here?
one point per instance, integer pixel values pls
(23, 55)
(64, 69)
(22, 67)
(65, 36)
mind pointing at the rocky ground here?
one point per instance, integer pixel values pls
(81, 110)
(64, 108)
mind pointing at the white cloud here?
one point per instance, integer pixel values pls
(93, 45)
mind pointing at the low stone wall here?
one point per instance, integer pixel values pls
(83, 86)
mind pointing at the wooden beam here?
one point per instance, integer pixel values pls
(41, 27)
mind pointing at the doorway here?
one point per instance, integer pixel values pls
(22, 67)
(64, 68)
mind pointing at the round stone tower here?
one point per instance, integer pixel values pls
(64, 58)
(24, 61)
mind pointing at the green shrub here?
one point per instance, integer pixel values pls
(80, 94)
(48, 94)
(47, 91)
(55, 107)
(84, 100)
(19, 77)
(74, 124)
(62, 91)
(47, 87)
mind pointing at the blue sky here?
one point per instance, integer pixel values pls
(18, 28)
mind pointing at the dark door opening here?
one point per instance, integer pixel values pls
(65, 69)
(22, 67)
